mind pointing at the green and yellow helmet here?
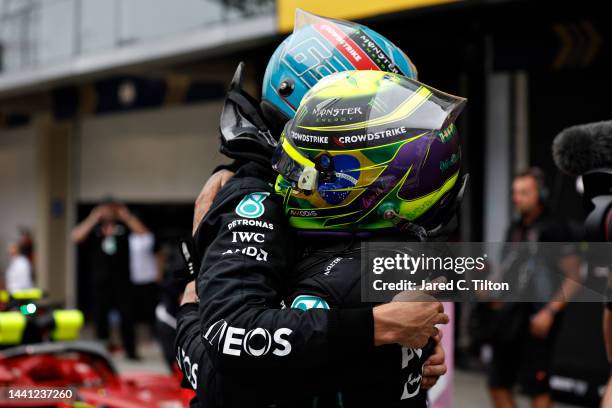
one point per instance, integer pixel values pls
(366, 150)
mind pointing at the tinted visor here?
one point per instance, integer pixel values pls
(290, 163)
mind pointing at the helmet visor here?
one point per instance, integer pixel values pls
(289, 162)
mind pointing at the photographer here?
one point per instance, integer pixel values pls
(106, 233)
(585, 151)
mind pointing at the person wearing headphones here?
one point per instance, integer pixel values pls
(522, 346)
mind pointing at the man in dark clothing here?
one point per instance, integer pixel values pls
(523, 355)
(239, 348)
(105, 232)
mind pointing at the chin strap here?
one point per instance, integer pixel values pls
(446, 225)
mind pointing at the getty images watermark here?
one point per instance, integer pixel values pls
(413, 263)
(483, 271)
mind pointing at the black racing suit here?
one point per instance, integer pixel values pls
(240, 347)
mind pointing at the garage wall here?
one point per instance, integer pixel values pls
(18, 185)
(498, 154)
(162, 155)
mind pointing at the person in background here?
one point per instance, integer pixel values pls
(144, 274)
(19, 272)
(26, 243)
(523, 354)
(106, 234)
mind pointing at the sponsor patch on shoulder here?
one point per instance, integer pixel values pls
(306, 302)
(251, 205)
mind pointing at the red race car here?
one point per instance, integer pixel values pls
(80, 374)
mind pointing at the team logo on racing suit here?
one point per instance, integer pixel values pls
(256, 342)
(258, 253)
(189, 370)
(251, 205)
(331, 265)
(251, 223)
(412, 365)
(306, 302)
(242, 236)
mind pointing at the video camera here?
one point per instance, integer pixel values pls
(586, 150)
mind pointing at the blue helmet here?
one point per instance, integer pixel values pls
(319, 47)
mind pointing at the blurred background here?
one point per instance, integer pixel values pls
(121, 99)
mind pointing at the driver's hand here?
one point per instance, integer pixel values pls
(434, 367)
(207, 195)
(189, 295)
(409, 324)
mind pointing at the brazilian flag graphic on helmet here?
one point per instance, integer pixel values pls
(366, 149)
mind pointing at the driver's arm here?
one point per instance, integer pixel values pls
(241, 282)
(238, 329)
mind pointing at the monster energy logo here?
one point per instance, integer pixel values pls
(380, 58)
(336, 111)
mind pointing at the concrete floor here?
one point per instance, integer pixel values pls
(470, 391)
